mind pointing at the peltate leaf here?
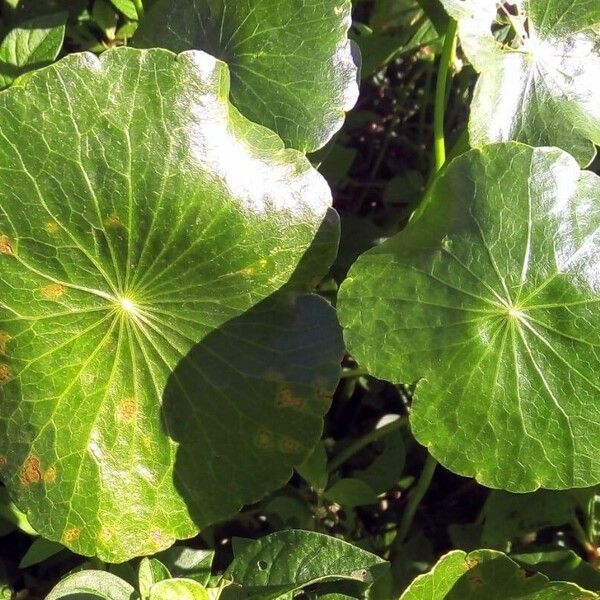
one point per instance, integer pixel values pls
(488, 575)
(291, 61)
(490, 300)
(543, 90)
(144, 393)
(290, 560)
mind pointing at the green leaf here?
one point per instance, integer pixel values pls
(290, 560)
(314, 469)
(32, 45)
(291, 62)
(90, 585)
(489, 299)
(151, 571)
(127, 7)
(178, 589)
(350, 492)
(510, 515)
(543, 92)
(39, 551)
(387, 469)
(188, 562)
(487, 575)
(12, 514)
(130, 293)
(561, 565)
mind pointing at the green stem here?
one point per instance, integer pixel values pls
(339, 459)
(417, 494)
(440, 94)
(350, 373)
(139, 6)
(580, 535)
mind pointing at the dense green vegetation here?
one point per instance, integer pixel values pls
(299, 299)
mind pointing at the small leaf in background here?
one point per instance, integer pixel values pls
(507, 516)
(11, 514)
(126, 7)
(489, 300)
(92, 585)
(190, 563)
(350, 492)
(286, 561)
(150, 571)
(488, 575)
(561, 565)
(314, 469)
(39, 551)
(544, 92)
(178, 589)
(32, 45)
(291, 62)
(105, 17)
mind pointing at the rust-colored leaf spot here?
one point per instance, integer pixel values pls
(2, 461)
(31, 471)
(113, 221)
(53, 291)
(288, 400)
(6, 246)
(476, 582)
(50, 475)
(264, 439)
(4, 372)
(106, 534)
(71, 535)
(4, 339)
(324, 395)
(472, 562)
(289, 445)
(52, 227)
(127, 410)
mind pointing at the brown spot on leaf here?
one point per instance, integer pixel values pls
(288, 400)
(324, 396)
(4, 339)
(6, 246)
(472, 562)
(50, 475)
(52, 227)
(476, 581)
(71, 535)
(113, 221)
(4, 372)
(31, 471)
(2, 461)
(53, 291)
(264, 439)
(127, 410)
(289, 445)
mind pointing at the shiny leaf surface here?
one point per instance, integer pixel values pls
(144, 391)
(291, 61)
(542, 90)
(490, 299)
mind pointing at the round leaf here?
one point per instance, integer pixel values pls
(545, 91)
(291, 61)
(139, 212)
(490, 300)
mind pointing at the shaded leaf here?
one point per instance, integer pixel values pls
(290, 560)
(150, 571)
(489, 299)
(39, 551)
(115, 281)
